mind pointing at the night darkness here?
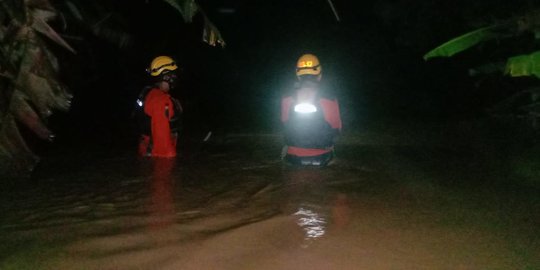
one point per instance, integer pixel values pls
(372, 62)
(429, 167)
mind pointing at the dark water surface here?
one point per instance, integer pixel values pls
(385, 203)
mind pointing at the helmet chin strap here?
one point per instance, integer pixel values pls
(172, 82)
(170, 79)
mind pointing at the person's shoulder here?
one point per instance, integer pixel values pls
(151, 91)
(288, 93)
(144, 91)
(155, 93)
(327, 95)
(287, 99)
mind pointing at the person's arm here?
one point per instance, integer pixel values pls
(332, 114)
(177, 105)
(285, 107)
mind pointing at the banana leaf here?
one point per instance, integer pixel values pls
(29, 90)
(187, 8)
(40, 18)
(25, 114)
(29, 87)
(211, 34)
(464, 42)
(524, 65)
(100, 19)
(17, 158)
(529, 22)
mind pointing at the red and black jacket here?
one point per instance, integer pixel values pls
(310, 134)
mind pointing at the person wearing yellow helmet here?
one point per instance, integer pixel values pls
(311, 118)
(161, 111)
(308, 66)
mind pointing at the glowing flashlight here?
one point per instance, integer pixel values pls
(305, 108)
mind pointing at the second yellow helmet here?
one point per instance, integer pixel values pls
(308, 64)
(161, 64)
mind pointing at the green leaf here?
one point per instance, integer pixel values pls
(99, 19)
(15, 155)
(40, 25)
(211, 34)
(75, 11)
(40, 4)
(187, 8)
(489, 68)
(25, 114)
(29, 90)
(15, 9)
(463, 42)
(524, 65)
(37, 80)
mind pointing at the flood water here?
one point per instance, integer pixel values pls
(386, 202)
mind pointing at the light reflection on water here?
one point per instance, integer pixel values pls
(162, 206)
(307, 191)
(311, 222)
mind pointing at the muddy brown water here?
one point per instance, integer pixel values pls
(234, 205)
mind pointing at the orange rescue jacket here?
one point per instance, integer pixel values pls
(160, 107)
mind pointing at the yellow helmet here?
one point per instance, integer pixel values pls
(308, 64)
(160, 64)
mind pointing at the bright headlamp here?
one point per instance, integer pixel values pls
(305, 108)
